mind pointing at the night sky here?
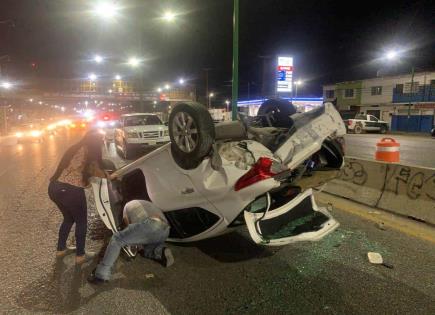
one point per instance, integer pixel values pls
(330, 40)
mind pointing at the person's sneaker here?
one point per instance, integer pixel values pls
(67, 251)
(80, 260)
(95, 280)
(167, 257)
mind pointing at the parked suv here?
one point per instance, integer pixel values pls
(139, 130)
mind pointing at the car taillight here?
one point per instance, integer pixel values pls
(259, 171)
(349, 122)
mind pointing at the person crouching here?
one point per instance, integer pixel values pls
(147, 227)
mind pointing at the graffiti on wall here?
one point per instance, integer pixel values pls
(399, 179)
(353, 172)
(415, 184)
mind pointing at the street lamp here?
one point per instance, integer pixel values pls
(118, 77)
(133, 62)
(181, 81)
(159, 89)
(92, 77)
(227, 103)
(6, 85)
(209, 98)
(167, 86)
(169, 16)
(106, 9)
(297, 83)
(392, 54)
(98, 59)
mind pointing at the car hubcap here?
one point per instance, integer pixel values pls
(185, 132)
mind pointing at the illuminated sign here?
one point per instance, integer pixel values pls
(284, 79)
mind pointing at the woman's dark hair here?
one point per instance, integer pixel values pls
(92, 140)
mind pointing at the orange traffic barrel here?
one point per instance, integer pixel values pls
(387, 150)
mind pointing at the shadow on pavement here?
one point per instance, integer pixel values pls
(231, 247)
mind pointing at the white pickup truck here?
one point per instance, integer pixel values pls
(363, 123)
(139, 130)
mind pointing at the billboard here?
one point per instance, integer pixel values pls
(284, 79)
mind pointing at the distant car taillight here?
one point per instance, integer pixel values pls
(259, 171)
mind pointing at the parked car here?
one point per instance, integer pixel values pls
(212, 178)
(362, 123)
(139, 130)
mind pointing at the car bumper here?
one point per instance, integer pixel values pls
(147, 142)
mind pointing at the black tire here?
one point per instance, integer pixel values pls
(279, 112)
(358, 129)
(203, 139)
(383, 129)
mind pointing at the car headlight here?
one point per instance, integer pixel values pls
(19, 134)
(35, 133)
(165, 133)
(132, 135)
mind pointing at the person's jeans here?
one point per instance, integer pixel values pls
(71, 201)
(150, 233)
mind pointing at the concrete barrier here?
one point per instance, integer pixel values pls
(402, 189)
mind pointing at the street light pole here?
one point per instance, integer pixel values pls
(235, 87)
(410, 99)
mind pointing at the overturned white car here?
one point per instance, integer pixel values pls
(255, 171)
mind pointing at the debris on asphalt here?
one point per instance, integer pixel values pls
(377, 259)
(149, 275)
(329, 206)
(381, 226)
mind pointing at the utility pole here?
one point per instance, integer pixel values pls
(207, 96)
(235, 90)
(410, 99)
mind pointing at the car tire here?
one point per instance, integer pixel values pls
(192, 134)
(383, 129)
(279, 112)
(358, 129)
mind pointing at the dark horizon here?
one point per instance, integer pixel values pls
(329, 41)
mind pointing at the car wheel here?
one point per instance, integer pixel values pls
(358, 129)
(277, 112)
(383, 129)
(192, 133)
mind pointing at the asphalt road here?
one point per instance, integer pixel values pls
(414, 150)
(226, 275)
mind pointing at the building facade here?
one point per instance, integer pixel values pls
(406, 102)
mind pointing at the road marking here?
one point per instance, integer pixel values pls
(390, 220)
